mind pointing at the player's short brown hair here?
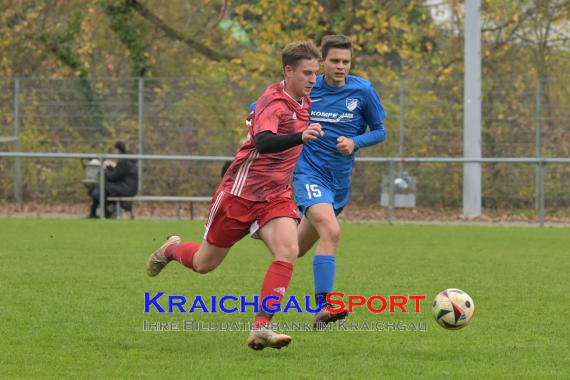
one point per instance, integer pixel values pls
(337, 41)
(297, 50)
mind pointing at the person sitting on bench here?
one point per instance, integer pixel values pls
(121, 180)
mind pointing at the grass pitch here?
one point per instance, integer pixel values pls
(72, 299)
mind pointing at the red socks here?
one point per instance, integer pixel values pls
(183, 253)
(275, 283)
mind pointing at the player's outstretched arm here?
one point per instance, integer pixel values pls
(269, 142)
(374, 115)
(373, 137)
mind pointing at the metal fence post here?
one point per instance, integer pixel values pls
(102, 187)
(141, 131)
(541, 193)
(538, 138)
(402, 121)
(18, 162)
(472, 184)
(391, 192)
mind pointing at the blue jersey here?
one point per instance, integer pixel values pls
(341, 111)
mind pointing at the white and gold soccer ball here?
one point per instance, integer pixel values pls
(453, 309)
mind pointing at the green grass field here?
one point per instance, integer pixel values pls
(72, 300)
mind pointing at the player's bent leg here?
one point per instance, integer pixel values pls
(201, 258)
(308, 236)
(209, 257)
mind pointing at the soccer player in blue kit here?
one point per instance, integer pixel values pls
(344, 105)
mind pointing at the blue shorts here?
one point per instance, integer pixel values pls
(312, 189)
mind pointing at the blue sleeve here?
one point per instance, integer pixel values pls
(374, 115)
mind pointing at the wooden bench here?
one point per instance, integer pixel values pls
(152, 198)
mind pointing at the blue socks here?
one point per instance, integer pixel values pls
(323, 272)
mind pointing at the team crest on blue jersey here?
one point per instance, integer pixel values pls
(351, 104)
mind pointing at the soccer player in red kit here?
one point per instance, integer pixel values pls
(255, 193)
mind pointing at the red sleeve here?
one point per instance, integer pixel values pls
(267, 119)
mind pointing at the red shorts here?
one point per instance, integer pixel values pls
(231, 217)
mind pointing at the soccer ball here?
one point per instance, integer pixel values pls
(453, 309)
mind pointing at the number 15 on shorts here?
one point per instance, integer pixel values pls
(313, 191)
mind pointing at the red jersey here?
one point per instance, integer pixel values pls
(262, 177)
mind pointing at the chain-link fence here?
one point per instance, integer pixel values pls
(522, 117)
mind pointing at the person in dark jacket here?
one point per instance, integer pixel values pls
(120, 181)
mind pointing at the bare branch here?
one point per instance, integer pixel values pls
(215, 22)
(203, 49)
